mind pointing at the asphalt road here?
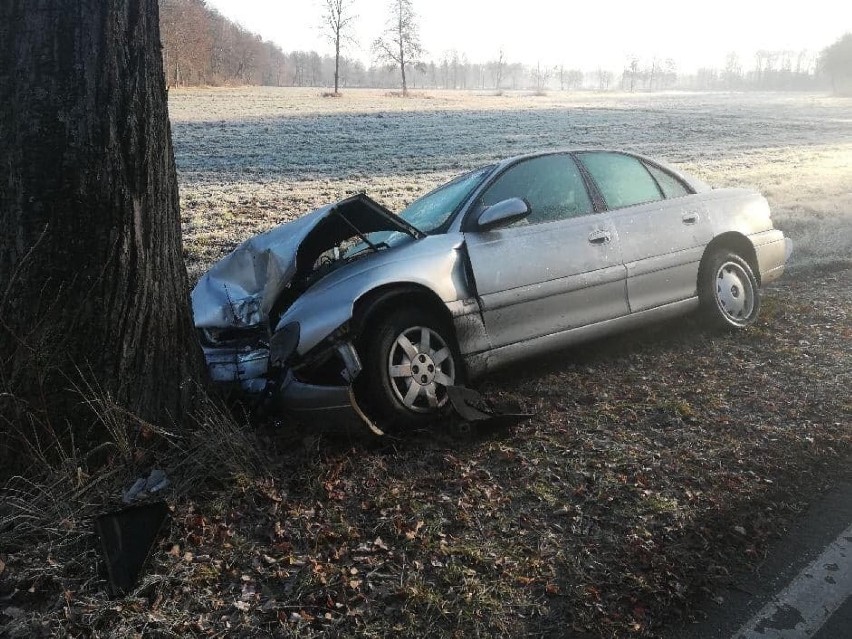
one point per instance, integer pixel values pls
(802, 591)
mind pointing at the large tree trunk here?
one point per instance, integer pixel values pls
(92, 278)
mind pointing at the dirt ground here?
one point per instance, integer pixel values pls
(657, 463)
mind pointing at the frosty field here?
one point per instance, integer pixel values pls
(249, 158)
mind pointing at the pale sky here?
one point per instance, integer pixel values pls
(576, 34)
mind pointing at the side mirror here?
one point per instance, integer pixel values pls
(503, 213)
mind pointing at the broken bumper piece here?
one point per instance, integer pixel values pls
(246, 368)
(327, 404)
(250, 371)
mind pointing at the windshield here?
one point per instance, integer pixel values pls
(427, 213)
(435, 208)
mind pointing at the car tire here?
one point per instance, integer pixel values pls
(728, 291)
(410, 357)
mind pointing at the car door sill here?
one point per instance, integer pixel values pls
(488, 361)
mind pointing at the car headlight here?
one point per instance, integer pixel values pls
(283, 344)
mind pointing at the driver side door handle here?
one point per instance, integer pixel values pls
(600, 237)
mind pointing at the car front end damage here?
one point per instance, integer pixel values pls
(320, 386)
(239, 304)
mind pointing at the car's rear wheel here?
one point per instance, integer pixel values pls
(409, 361)
(728, 291)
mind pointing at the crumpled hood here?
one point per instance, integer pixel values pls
(242, 287)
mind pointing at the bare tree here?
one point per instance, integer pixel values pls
(631, 72)
(497, 68)
(569, 78)
(337, 17)
(733, 70)
(400, 44)
(604, 79)
(92, 276)
(455, 66)
(668, 73)
(541, 76)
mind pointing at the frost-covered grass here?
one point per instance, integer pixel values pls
(249, 158)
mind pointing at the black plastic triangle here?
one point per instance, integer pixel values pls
(127, 537)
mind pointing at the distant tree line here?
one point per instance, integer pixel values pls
(836, 62)
(770, 71)
(202, 47)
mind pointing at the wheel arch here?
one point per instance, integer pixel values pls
(383, 299)
(737, 243)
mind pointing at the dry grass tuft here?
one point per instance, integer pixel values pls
(47, 542)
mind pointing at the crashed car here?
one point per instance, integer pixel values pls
(353, 310)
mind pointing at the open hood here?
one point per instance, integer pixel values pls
(241, 289)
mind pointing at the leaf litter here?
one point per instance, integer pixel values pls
(659, 464)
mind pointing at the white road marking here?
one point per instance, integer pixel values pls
(800, 610)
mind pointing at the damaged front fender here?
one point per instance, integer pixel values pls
(433, 264)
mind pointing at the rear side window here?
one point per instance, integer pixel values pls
(621, 179)
(672, 187)
(552, 185)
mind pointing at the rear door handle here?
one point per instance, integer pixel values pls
(689, 218)
(600, 237)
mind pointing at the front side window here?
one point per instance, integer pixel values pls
(552, 186)
(672, 187)
(622, 180)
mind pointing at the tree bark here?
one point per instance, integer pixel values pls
(93, 284)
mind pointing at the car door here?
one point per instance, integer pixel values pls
(662, 227)
(557, 269)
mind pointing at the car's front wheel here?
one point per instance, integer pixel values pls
(728, 291)
(409, 361)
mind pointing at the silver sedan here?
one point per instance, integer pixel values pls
(352, 310)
